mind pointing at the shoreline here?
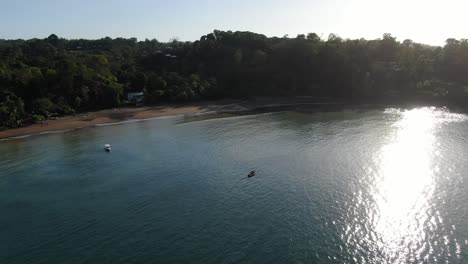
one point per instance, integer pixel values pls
(120, 115)
(136, 114)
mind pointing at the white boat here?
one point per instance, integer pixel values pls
(107, 147)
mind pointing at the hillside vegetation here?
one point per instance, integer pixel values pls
(41, 78)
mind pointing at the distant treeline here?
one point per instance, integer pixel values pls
(41, 78)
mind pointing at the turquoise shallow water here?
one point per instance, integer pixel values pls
(376, 186)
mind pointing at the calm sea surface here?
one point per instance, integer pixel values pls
(386, 186)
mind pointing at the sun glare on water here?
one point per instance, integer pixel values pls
(405, 184)
(406, 181)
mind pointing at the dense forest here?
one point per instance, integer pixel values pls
(43, 78)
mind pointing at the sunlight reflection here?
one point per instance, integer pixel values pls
(395, 210)
(405, 185)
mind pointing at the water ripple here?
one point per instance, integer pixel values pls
(337, 187)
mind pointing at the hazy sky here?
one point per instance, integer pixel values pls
(427, 21)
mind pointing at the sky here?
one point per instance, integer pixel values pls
(424, 21)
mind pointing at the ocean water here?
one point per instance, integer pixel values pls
(382, 186)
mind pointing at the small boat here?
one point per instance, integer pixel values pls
(251, 174)
(107, 147)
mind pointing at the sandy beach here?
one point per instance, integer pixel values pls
(121, 114)
(115, 115)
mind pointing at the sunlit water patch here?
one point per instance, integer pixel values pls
(402, 222)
